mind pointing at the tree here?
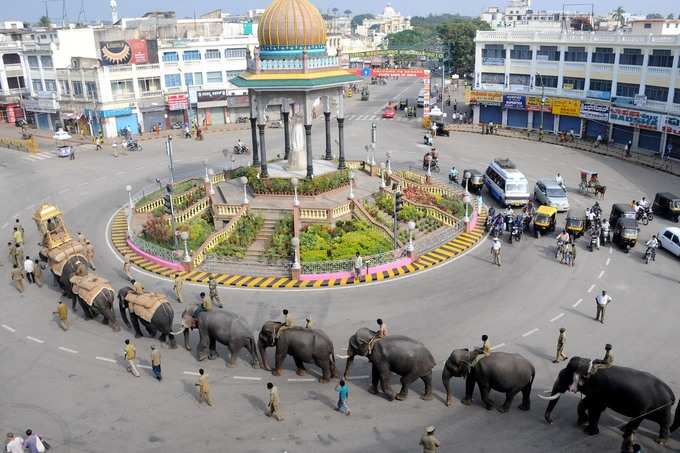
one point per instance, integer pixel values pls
(458, 36)
(407, 39)
(654, 16)
(335, 11)
(348, 12)
(44, 22)
(619, 16)
(670, 16)
(359, 18)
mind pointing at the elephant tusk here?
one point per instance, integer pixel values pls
(549, 398)
(179, 331)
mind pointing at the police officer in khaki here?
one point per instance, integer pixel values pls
(89, 254)
(62, 314)
(273, 406)
(429, 443)
(137, 287)
(561, 342)
(130, 354)
(206, 303)
(177, 286)
(18, 278)
(38, 269)
(127, 260)
(203, 388)
(214, 296)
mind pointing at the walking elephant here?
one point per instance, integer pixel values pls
(501, 371)
(152, 310)
(218, 325)
(304, 345)
(398, 354)
(68, 270)
(96, 296)
(627, 391)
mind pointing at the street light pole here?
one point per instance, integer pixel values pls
(131, 207)
(168, 151)
(542, 104)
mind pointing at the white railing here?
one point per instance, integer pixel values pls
(147, 67)
(598, 67)
(573, 37)
(658, 71)
(631, 69)
(149, 94)
(123, 96)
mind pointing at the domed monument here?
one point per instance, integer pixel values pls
(290, 71)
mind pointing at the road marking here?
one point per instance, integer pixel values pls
(191, 373)
(531, 332)
(498, 346)
(341, 356)
(607, 263)
(611, 250)
(37, 340)
(557, 317)
(6, 327)
(146, 367)
(4, 225)
(82, 184)
(72, 351)
(301, 380)
(105, 359)
(359, 377)
(63, 191)
(577, 303)
(248, 378)
(592, 287)
(600, 276)
(118, 173)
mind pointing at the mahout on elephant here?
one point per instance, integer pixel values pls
(96, 296)
(304, 345)
(215, 326)
(501, 371)
(398, 354)
(152, 310)
(627, 391)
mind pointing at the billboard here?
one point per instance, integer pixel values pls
(595, 111)
(672, 125)
(534, 104)
(132, 51)
(634, 118)
(566, 107)
(178, 102)
(514, 101)
(212, 95)
(484, 97)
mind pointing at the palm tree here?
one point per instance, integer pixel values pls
(44, 22)
(618, 15)
(348, 12)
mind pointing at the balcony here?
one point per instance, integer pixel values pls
(147, 67)
(656, 105)
(493, 61)
(658, 70)
(598, 67)
(630, 69)
(150, 94)
(124, 96)
(491, 86)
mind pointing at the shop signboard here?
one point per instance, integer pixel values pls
(566, 107)
(595, 111)
(514, 101)
(635, 118)
(485, 97)
(132, 51)
(116, 112)
(672, 125)
(238, 101)
(534, 104)
(178, 102)
(595, 94)
(212, 95)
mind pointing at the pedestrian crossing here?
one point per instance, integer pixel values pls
(375, 117)
(39, 156)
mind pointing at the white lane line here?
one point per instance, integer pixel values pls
(82, 184)
(341, 356)
(601, 274)
(500, 345)
(146, 367)
(592, 287)
(37, 340)
(611, 250)
(359, 377)
(248, 378)
(63, 191)
(531, 332)
(301, 380)
(118, 173)
(11, 329)
(105, 359)
(557, 317)
(5, 225)
(191, 373)
(577, 303)
(608, 261)
(72, 351)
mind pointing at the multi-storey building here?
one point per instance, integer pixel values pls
(617, 85)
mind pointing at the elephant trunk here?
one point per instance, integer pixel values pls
(187, 344)
(676, 420)
(348, 363)
(253, 352)
(262, 349)
(122, 307)
(553, 399)
(446, 377)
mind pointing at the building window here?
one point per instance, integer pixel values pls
(603, 55)
(77, 88)
(33, 62)
(46, 61)
(576, 54)
(169, 57)
(520, 79)
(214, 76)
(655, 93)
(37, 85)
(521, 53)
(65, 87)
(493, 51)
(234, 53)
(51, 85)
(121, 88)
(629, 90)
(648, 25)
(548, 53)
(212, 54)
(191, 55)
(676, 96)
(660, 58)
(548, 81)
(91, 89)
(193, 79)
(601, 85)
(11, 58)
(232, 74)
(173, 80)
(493, 78)
(573, 83)
(15, 82)
(150, 84)
(632, 57)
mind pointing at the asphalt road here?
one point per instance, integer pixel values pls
(73, 388)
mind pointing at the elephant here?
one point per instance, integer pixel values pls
(102, 304)
(501, 371)
(627, 391)
(69, 270)
(160, 320)
(223, 326)
(303, 344)
(392, 354)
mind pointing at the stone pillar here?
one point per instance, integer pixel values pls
(327, 118)
(341, 144)
(253, 136)
(308, 143)
(286, 135)
(263, 150)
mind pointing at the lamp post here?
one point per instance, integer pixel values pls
(160, 184)
(466, 201)
(131, 207)
(294, 181)
(388, 163)
(295, 243)
(185, 238)
(411, 228)
(205, 168)
(244, 181)
(429, 172)
(540, 130)
(351, 187)
(382, 175)
(168, 151)
(372, 153)
(211, 173)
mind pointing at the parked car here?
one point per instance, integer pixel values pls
(669, 239)
(64, 151)
(547, 191)
(388, 112)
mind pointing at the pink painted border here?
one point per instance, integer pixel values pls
(175, 266)
(347, 274)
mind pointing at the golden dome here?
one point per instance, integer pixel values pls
(291, 23)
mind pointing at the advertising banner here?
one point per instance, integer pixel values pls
(534, 104)
(672, 125)
(485, 97)
(595, 111)
(398, 72)
(634, 118)
(514, 101)
(132, 51)
(212, 95)
(566, 107)
(178, 102)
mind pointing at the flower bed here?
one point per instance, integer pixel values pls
(323, 243)
(279, 247)
(180, 188)
(306, 187)
(158, 231)
(244, 234)
(453, 206)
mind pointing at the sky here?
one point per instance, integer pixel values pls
(31, 10)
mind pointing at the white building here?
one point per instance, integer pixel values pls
(519, 14)
(377, 29)
(655, 26)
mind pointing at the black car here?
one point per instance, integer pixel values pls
(626, 232)
(667, 205)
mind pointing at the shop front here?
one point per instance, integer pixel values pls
(153, 113)
(569, 111)
(595, 119)
(517, 115)
(118, 119)
(178, 108)
(11, 112)
(672, 129)
(43, 111)
(649, 124)
(533, 104)
(212, 107)
(490, 105)
(238, 106)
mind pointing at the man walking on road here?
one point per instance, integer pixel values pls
(179, 283)
(62, 314)
(203, 388)
(358, 264)
(18, 279)
(601, 302)
(130, 354)
(28, 270)
(18, 236)
(429, 443)
(273, 408)
(127, 260)
(156, 362)
(38, 272)
(561, 341)
(212, 287)
(343, 394)
(14, 444)
(496, 251)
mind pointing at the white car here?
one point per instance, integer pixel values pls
(548, 192)
(64, 151)
(669, 239)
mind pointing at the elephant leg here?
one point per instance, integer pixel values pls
(163, 337)
(526, 398)
(299, 366)
(151, 329)
(212, 349)
(469, 390)
(279, 357)
(233, 353)
(135, 324)
(86, 309)
(325, 370)
(405, 380)
(629, 434)
(484, 393)
(375, 379)
(385, 376)
(427, 381)
(582, 410)
(509, 396)
(594, 412)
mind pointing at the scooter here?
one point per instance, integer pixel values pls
(132, 145)
(243, 149)
(650, 255)
(645, 216)
(427, 140)
(515, 232)
(593, 242)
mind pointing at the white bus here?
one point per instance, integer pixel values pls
(507, 184)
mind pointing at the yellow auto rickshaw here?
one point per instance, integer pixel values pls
(544, 220)
(349, 92)
(575, 224)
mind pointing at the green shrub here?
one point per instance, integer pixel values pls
(240, 239)
(384, 201)
(322, 243)
(452, 206)
(409, 212)
(312, 186)
(279, 245)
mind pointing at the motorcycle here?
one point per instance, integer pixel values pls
(644, 216)
(427, 140)
(187, 133)
(605, 237)
(515, 232)
(650, 255)
(177, 125)
(434, 166)
(592, 244)
(132, 145)
(242, 119)
(243, 149)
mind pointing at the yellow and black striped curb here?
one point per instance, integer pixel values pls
(456, 247)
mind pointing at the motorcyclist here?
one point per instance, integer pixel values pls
(595, 235)
(427, 139)
(187, 131)
(596, 209)
(239, 146)
(427, 160)
(644, 203)
(604, 230)
(453, 175)
(435, 156)
(652, 245)
(507, 218)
